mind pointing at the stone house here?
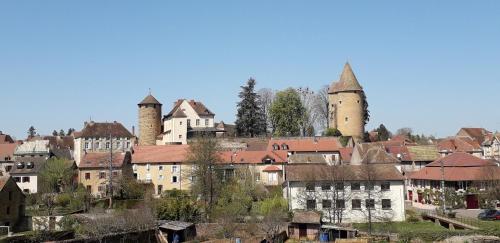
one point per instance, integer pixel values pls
(93, 171)
(95, 138)
(162, 166)
(328, 147)
(12, 202)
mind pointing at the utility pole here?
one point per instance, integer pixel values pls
(443, 197)
(110, 184)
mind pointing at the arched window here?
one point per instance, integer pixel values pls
(284, 146)
(276, 147)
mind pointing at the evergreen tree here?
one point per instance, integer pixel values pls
(250, 121)
(61, 133)
(70, 131)
(383, 133)
(31, 132)
(287, 113)
(54, 133)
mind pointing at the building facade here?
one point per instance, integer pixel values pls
(12, 202)
(347, 105)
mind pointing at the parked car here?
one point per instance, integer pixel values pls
(489, 214)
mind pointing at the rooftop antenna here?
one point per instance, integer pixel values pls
(149, 91)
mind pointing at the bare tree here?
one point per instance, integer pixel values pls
(266, 97)
(321, 108)
(307, 98)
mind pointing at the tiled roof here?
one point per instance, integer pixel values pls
(272, 168)
(60, 141)
(37, 166)
(347, 81)
(459, 144)
(7, 151)
(104, 129)
(179, 114)
(36, 146)
(150, 100)
(306, 158)
(460, 159)
(458, 173)
(423, 152)
(475, 133)
(5, 138)
(197, 106)
(304, 172)
(310, 144)
(101, 160)
(160, 154)
(252, 157)
(346, 154)
(378, 155)
(3, 181)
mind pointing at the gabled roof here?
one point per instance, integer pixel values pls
(197, 106)
(347, 81)
(149, 100)
(461, 159)
(103, 129)
(475, 133)
(459, 144)
(101, 160)
(7, 151)
(179, 114)
(160, 154)
(320, 172)
(252, 157)
(378, 155)
(308, 144)
(5, 138)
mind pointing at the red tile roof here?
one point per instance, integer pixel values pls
(7, 151)
(160, 154)
(475, 133)
(4, 138)
(460, 159)
(323, 144)
(272, 168)
(197, 106)
(346, 154)
(253, 157)
(101, 160)
(459, 144)
(458, 173)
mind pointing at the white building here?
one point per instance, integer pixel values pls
(347, 193)
(186, 119)
(491, 147)
(95, 138)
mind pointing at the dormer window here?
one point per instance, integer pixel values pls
(284, 146)
(276, 147)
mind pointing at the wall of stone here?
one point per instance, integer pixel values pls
(348, 113)
(149, 124)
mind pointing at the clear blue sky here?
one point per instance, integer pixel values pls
(433, 66)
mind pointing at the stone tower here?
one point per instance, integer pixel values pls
(149, 120)
(346, 103)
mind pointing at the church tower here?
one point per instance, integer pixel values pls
(347, 105)
(149, 120)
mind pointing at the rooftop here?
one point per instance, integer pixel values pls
(103, 129)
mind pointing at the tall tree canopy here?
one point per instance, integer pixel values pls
(287, 113)
(383, 133)
(31, 132)
(250, 121)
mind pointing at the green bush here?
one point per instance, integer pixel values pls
(332, 132)
(63, 199)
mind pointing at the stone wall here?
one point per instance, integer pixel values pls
(347, 117)
(149, 123)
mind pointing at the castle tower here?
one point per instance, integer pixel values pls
(149, 120)
(346, 105)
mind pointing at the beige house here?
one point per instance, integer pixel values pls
(11, 202)
(186, 119)
(491, 147)
(162, 166)
(93, 171)
(95, 138)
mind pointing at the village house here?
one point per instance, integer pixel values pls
(188, 118)
(328, 147)
(414, 157)
(12, 202)
(491, 146)
(162, 166)
(463, 173)
(94, 168)
(30, 158)
(345, 193)
(7, 157)
(99, 137)
(265, 167)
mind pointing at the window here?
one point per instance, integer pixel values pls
(17, 179)
(347, 119)
(118, 144)
(102, 175)
(108, 145)
(180, 123)
(284, 146)
(370, 203)
(206, 122)
(115, 173)
(356, 203)
(340, 102)
(272, 177)
(325, 186)
(148, 166)
(311, 204)
(188, 122)
(339, 186)
(26, 191)
(276, 147)
(160, 167)
(197, 122)
(128, 145)
(174, 179)
(310, 186)
(174, 169)
(385, 186)
(355, 186)
(326, 203)
(87, 176)
(386, 204)
(8, 210)
(180, 136)
(26, 179)
(340, 203)
(10, 196)
(89, 188)
(369, 186)
(257, 177)
(98, 145)
(87, 145)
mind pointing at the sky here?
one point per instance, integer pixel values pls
(433, 66)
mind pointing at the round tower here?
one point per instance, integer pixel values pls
(149, 120)
(347, 105)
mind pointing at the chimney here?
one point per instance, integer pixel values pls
(133, 131)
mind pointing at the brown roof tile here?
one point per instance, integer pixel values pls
(7, 151)
(150, 100)
(104, 129)
(460, 159)
(319, 172)
(160, 154)
(347, 81)
(323, 144)
(252, 157)
(101, 160)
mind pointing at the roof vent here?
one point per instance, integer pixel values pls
(30, 165)
(20, 165)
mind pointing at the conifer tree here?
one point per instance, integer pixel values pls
(250, 119)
